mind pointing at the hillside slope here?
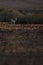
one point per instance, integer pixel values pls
(22, 3)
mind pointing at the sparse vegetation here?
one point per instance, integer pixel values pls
(23, 16)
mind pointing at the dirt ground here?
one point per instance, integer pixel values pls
(21, 47)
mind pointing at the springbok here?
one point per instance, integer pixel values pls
(13, 21)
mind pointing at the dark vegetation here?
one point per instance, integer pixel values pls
(26, 17)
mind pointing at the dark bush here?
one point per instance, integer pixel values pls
(21, 20)
(4, 17)
(31, 18)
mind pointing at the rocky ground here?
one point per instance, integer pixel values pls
(21, 47)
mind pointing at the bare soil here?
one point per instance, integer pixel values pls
(21, 46)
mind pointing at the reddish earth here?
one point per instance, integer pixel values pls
(21, 44)
(6, 26)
